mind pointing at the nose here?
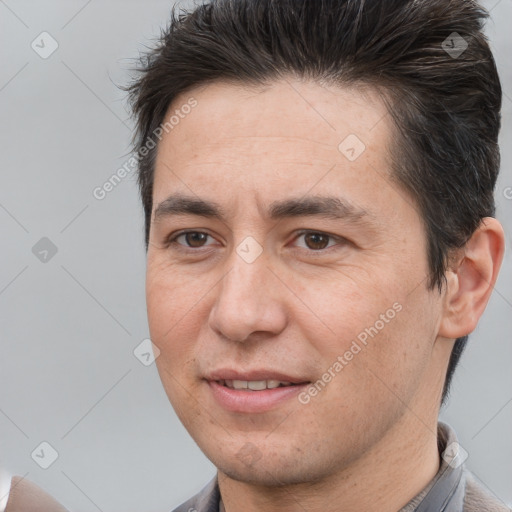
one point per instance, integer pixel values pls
(250, 300)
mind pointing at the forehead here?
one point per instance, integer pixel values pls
(270, 139)
(319, 114)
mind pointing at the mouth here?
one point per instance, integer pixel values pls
(256, 385)
(253, 392)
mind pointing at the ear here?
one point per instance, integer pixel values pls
(471, 280)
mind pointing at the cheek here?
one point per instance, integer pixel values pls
(170, 292)
(172, 302)
(372, 336)
(334, 312)
(170, 316)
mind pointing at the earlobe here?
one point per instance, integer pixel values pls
(471, 280)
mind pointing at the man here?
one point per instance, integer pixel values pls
(317, 179)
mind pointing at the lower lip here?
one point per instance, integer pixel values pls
(237, 400)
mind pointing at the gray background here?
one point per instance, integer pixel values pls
(69, 325)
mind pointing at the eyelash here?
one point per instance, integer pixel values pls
(171, 240)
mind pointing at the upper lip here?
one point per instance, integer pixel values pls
(252, 375)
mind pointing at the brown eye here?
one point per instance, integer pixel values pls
(316, 241)
(189, 240)
(195, 238)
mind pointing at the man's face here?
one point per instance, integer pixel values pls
(336, 304)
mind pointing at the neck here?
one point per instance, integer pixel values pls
(384, 479)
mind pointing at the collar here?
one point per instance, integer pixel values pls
(445, 493)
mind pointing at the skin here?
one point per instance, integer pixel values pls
(367, 440)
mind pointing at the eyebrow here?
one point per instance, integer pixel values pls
(330, 207)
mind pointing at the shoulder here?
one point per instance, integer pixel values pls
(207, 500)
(477, 499)
(25, 495)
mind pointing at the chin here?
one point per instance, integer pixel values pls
(265, 476)
(290, 466)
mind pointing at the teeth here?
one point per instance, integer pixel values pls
(257, 385)
(254, 385)
(240, 384)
